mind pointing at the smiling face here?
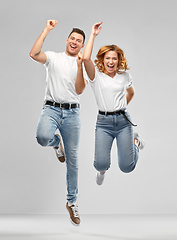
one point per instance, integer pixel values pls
(74, 43)
(110, 62)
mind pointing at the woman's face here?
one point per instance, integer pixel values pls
(110, 62)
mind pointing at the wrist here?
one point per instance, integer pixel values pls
(80, 66)
(46, 30)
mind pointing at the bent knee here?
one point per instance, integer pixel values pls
(43, 140)
(126, 168)
(101, 167)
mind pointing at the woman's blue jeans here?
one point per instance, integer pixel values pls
(68, 123)
(109, 127)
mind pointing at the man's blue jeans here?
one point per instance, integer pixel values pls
(109, 127)
(68, 123)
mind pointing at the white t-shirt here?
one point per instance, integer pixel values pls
(110, 93)
(61, 73)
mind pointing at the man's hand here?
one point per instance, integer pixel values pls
(96, 28)
(79, 59)
(51, 24)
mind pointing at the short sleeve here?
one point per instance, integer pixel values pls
(129, 81)
(49, 55)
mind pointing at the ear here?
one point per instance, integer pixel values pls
(66, 40)
(82, 45)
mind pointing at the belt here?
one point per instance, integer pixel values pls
(117, 113)
(62, 105)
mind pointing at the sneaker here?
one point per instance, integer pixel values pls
(60, 151)
(141, 142)
(74, 214)
(100, 178)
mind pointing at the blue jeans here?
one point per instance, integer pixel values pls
(68, 123)
(109, 127)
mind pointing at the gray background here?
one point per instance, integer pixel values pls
(31, 178)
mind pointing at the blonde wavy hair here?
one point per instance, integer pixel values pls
(122, 61)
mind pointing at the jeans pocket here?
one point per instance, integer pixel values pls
(101, 117)
(75, 110)
(47, 106)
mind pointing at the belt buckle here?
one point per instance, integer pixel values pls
(69, 106)
(53, 104)
(60, 105)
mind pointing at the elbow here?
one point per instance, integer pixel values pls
(31, 55)
(86, 59)
(79, 91)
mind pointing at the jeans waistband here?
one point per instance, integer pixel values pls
(117, 113)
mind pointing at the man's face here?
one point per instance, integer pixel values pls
(74, 44)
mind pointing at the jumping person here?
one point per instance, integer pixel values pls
(64, 83)
(113, 90)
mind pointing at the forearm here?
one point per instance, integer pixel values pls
(80, 82)
(129, 97)
(36, 49)
(89, 66)
(89, 48)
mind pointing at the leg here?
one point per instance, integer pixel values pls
(103, 143)
(47, 125)
(70, 132)
(128, 152)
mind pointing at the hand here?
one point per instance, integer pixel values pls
(96, 28)
(51, 24)
(79, 59)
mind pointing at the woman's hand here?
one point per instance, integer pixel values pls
(96, 28)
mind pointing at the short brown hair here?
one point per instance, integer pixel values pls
(77, 30)
(122, 63)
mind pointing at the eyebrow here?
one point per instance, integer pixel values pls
(76, 38)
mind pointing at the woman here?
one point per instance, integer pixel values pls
(113, 90)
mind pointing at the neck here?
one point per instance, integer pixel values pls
(112, 75)
(71, 55)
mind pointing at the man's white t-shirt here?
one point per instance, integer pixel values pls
(61, 73)
(110, 93)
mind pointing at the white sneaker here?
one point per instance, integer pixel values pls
(60, 151)
(100, 178)
(141, 141)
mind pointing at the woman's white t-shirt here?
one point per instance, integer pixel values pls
(110, 93)
(61, 73)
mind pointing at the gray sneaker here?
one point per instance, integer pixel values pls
(141, 141)
(100, 178)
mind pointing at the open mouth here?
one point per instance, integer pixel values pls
(72, 47)
(110, 66)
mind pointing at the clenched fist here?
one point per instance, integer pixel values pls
(51, 24)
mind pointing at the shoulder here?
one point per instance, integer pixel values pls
(127, 76)
(52, 56)
(98, 75)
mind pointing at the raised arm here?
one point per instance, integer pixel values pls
(35, 52)
(89, 66)
(80, 82)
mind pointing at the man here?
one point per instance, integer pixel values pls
(64, 83)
